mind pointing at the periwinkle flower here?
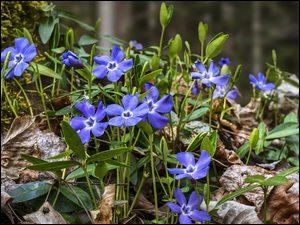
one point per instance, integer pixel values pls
(220, 92)
(188, 210)
(209, 76)
(260, 83)
(136, 46)
(224, 61)
(19, 58)
(195, 88)
(130, 115)
(91, 122)
(113, 67)
(164, 105)
(191, 171)
(71, 60)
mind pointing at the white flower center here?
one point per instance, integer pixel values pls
(127, 114)
(19, 58)
(260, 84)
(151, 106)
(90, 122)
(206, 75)
(185, 209)
(112, 65)
(190, 169)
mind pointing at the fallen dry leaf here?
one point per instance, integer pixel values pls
(45, 215)
(103, 215)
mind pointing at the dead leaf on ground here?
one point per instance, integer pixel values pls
(103, 215)
(45, 215)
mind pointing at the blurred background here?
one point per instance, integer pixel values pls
(254, 28)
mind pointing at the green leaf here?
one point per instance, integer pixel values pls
(283, 133)
(145, 127)
(207, 146)
(253, 138)
(149, 77)
(163, 15)
(133, 172)
(82, 24)
(101, 170)
(255, 179)
(294, 161)
(196, 142)
(236, 194)
(142, 96)
(291, 81)
(73, 140)
(29, 191)
(261, 129)
(43, 70)
(196, 114)
(46, 28)
(78, 173)
(55, 37)
(213, 139)
(61, 155)
(276, 180)
(202, 32)
(58, 50)
(243, 150)
(166, 180)
(259, 146)
(162, 86)
(85, 73)
(289, 171)
(107, 154)
(291, 117)
(32, 159)
(113, 40)
(215, 46)
(84, 197)
(112, 164)
(293, 142)
(27, 35)
(284, 127)
(87, 40)
(175, 47)
(53, 166)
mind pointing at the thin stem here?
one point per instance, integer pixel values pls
(25, 95)
(9, 102)
(265, 189)
(207, 192)
(90, 188)
(210, 109)
(72, 79)
(161, 40)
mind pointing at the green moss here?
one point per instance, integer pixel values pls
(17, 15)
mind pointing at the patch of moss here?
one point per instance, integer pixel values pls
(17, 15)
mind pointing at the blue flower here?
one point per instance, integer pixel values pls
(260, 83)
(188, 210)
(224, 61)
(191, 171)
(164, 105)
(130, 114)
(70, 59)
(136, 45)
(91, 122)
(195, 88)
(113, 66)
(220, 92)
(208, 77)
(20, 56)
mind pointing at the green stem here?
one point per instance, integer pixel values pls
(72, 79)
(207, 192)
(161, 40)
(196, 188)
(25, 95)
(248, 156)
(56, 197)
(58, 83)
(89, 185)
(7, 98)
(210, 108)
(54, 79)
(265, 189)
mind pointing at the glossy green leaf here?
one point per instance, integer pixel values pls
(73, 140)
(166, 180)
(142, 96)
(291, 117)
(255, 179)
(196, 114)
(202, 32)
(29, 191)
(236, 194)
(148, 77)
(261, 129)
(196, 142)
(145, 127)
(283, 133)
(175, 47)
(46, 28)
(253, 138)
(83, 196)
(107, 154)
(215, 47)
(243, 150)
(276, 180)
(32, 159)
(259, 146)
(27, 35)
(289, 171)
(85, 73)
(87, 40)
(207, 146)
(113, 40)
(58, 50)
(101, 170)
(284, 127)
(55, 37)
(291, 81)
(61, 155)
(53, 166)
(43, 70)
(82, 24)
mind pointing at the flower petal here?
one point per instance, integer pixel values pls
(100, 113)
(186, 158)
(232, 94)
(179, 196)
(154, 94)
(102, 60)
(175, 170)
(200, 66)
(86, 108)
(180, 176)
(199, 215)
(253, 79)
(165, 104)
(117, 54)
(78, 123)
(30, 53)
(99, 128)
(130, 102)
(19, 69)
(200, 173)
(206, 82)
(21, 44)
(10, 75)
(125, 65)
(184, 219)
(174, 207)
(193, 201)
(213, 69)
(114, 109)
(117, 121)
(132, 121)
(114, 75)
(268, 87)
(5, 51)
(196, 75)
(156, 120)
(220, 80)
(204, 160)
(141, 110)
(261, 78)
(85, 135)
(100, 71)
